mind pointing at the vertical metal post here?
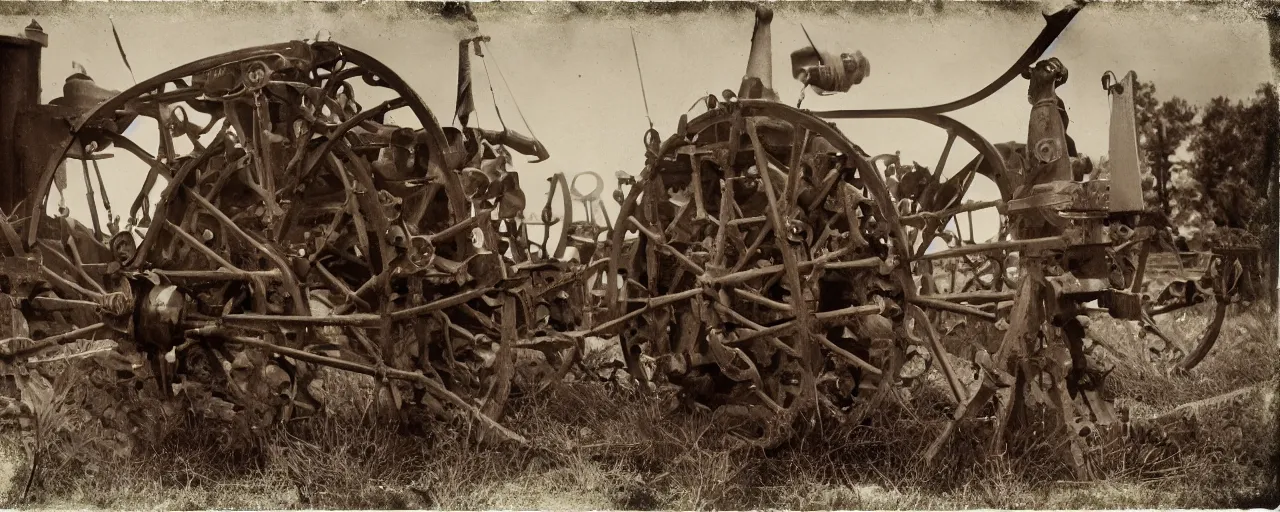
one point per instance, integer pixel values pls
(760, 60)
(1124, 155)
(19, 90)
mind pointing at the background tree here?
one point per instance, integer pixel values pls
(1234, 153)
(1163, 127)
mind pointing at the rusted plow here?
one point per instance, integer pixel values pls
(294, 227)
(776, 270)
(773, 268)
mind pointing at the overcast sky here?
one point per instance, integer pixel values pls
(574, 75)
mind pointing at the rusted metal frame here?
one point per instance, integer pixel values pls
(798, 303)
(75, 268)
(773, 330)
(11, 235)
(286, 274)
(951, 212)
(979, 297)
(156, 169)
(657, 240)
(959, 243)
(338, 134)
(762, 300)
(60, 304)
(799, 144)
(88, 186)
(110, 106)
(680, 217)
(650, 304)
(870, 262)
(496, 397)
(1136, 285)
(737, 317)
(935, 342)
(161, 97)
(337, 285)
(833, 317)
(223, 175)
(653, 188)
(851, 311)
(874, 183)
(484, 321)
(353, 320)
(302, 88)
(369, 204)
(932, 303)
(570, 278)
(353, 206)
(253, 177)
(828, 230)
(965, 410)
(1210, 335)
(849, 209)
(747, 275)
(169, 195)
(617, 239)
(695, 166)
(828, 182)
(849, 356)
(266, 158)
(434, 387)
(942, 159)
(335, 78)
(933, 227)
(200, 247)
(219, 275)
(984, 147)
(168, 152)
(748, 220)
(49, 342)
(743, 258)
(430, 125)
(1043, 243)
(567, 205)
(518, 242)
(459, 228)
(59, 281)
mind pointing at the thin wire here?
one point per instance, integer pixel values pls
(510, 93)
(120, 46)
(488, 78)
(640, 72)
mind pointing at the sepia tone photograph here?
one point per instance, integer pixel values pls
(555, 255)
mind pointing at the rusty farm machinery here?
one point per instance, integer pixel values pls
(776, 271)
(295, 228)
(769, 267)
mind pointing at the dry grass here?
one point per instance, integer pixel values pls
(606, 448)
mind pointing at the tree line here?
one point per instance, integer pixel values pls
(1213, 165)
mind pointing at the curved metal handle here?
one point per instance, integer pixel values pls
(1055, 24)
(563, 242)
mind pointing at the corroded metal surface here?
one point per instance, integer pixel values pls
(776, 270)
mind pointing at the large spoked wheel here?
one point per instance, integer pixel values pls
(764, 279)
(304, 231)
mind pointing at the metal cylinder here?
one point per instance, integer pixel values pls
(19, 90)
